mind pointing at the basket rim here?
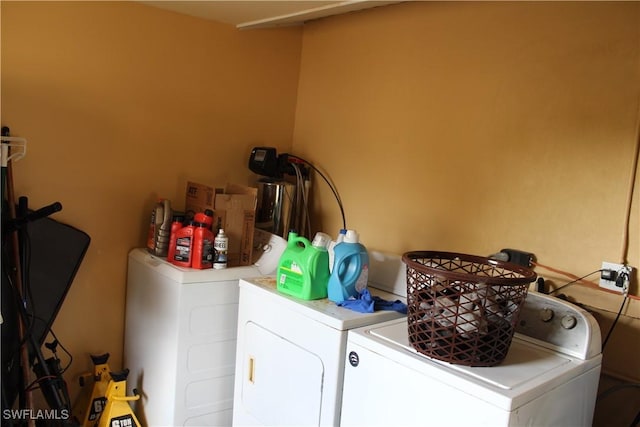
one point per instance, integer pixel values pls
(528, 275)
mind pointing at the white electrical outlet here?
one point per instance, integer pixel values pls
(620, 278)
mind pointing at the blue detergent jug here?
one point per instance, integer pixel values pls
(350, 272)
(303, 269)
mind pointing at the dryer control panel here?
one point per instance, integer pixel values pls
(559, 325)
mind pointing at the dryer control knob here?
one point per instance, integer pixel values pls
(546, 314)
(568, 322)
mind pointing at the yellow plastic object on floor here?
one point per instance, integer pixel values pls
(90, 403)
(117, 412)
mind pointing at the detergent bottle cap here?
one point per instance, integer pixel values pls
(321, 240)
(351, 237)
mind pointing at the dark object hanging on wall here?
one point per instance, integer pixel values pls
(51, 253)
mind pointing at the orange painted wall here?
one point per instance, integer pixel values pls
(122, 103)
(464, 126)
(477, 126)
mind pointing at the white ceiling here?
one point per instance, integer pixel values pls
(261, 13)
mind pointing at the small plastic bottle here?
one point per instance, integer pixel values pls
(163, 231)
(202, 256)
(220, 246)
(184, 246)
(332, 245)
(177, 224)
(160, 228)
(156, 212)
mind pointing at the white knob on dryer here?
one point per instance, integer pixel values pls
(568, 322)
(546, 314)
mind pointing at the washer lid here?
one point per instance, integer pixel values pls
(524, 362)
(185, 276)
(320, 310)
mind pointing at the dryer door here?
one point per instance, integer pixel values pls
(282, 382)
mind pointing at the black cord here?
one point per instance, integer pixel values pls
(19, 302)
(616, 388)
(613, 325)
(623, 275)
(333, 189)
(573, 282)
(619, 311)
(50, 331)
(26, 302)
(636, 420)
(63, 349)
(27, 294)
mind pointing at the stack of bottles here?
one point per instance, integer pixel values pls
(186, 243)
(324, 268)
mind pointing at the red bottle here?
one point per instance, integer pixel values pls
(154, 224)
(184, 246)
(202, 256)
(177, 224)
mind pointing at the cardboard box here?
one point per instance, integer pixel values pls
(235, 211)
(199, 198)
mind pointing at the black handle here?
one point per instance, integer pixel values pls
(33, 216)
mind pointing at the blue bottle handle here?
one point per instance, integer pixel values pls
(349, 270)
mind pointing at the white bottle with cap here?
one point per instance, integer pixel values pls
(321, 240)
(220, 246)
(332, 245)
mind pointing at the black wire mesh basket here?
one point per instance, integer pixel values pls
(463, 309)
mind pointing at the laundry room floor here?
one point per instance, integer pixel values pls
(618, 403)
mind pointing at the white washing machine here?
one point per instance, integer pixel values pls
(180, 336)
(291, 352)
(549, 377)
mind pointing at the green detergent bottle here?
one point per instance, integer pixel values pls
(303, 270)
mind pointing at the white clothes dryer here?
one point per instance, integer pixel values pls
(549, 377)
(291, 352)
